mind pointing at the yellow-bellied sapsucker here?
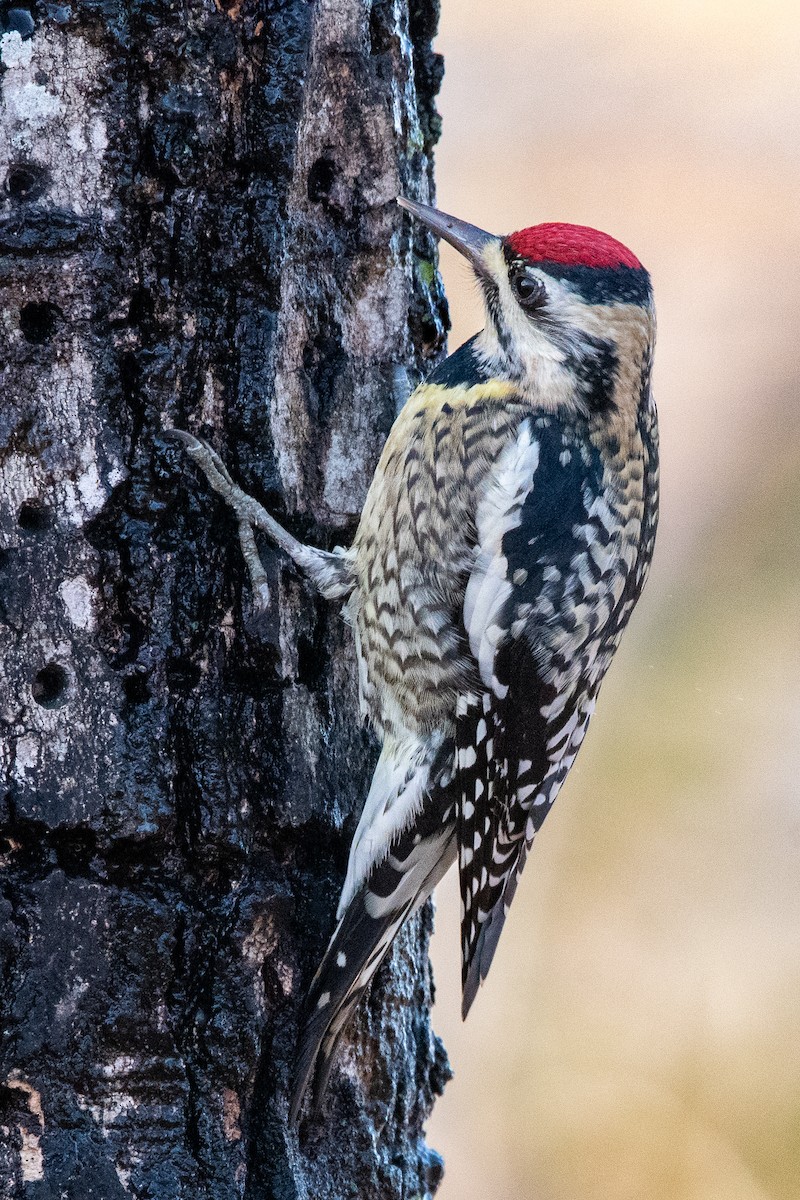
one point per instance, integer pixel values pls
(504, 541)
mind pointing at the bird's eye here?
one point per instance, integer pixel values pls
(528, 291)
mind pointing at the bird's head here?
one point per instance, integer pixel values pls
(569, 311)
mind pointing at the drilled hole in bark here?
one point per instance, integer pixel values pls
(183, 675)
(381, 26)
(320, 180)
(75, 849)
(34, 517)
(136, 687)
(50, 686)
(432, 336)
(38, 321)
(12, 1104)
(25, 181)
(141, 308)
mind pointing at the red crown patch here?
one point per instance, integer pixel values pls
(571, 245)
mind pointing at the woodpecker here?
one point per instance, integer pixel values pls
(504, 541)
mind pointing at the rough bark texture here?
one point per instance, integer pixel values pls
(197, 228)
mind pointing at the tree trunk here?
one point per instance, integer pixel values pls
(197, 228)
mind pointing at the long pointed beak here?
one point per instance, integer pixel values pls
(467, 239)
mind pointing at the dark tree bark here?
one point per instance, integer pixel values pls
(198, 229)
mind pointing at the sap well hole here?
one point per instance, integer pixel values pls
(51, 685)
(34, 517)
(38, 321)
(25, 181)
(321, 178)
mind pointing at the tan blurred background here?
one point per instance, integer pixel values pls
(639, 1035)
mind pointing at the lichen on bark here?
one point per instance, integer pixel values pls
(197, 228)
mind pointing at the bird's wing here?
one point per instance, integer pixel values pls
(534, 615)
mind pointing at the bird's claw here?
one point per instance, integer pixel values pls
(211, 465)
(332, 572)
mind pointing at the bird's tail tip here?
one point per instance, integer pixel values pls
(477, 967)
(315, 1058)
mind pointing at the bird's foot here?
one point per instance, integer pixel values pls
(250, 514)
(332, 572)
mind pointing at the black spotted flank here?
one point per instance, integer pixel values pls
(462, 369)
(604, 285)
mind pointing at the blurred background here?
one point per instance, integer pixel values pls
(639, 1035)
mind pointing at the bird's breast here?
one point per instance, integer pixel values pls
(414, 549)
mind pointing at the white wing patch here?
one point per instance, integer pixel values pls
(417, 875)
(499, 511)
(395, 797)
